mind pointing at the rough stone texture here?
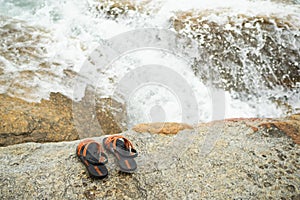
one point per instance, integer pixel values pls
(114, 112)
(161, 127)
(50, 120)
(290, 126)
(241, 164)
(53, 120)
(98, 116)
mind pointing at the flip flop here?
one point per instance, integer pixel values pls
(93, 157)
(123, 150)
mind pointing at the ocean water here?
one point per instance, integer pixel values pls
(46, 43)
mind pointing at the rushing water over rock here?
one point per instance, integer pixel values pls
(244, 51)
(250, 55)
(248, 49)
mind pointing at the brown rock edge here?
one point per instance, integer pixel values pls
(53, 120)
(161, 127)
(289, 125)
(49, 120)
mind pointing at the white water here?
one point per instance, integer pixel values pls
(76, 30)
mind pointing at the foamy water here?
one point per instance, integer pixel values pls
(74, 29)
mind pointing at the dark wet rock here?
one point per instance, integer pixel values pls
(296, 197)
(117, 8)
(287, 1)
(114, 112)
(70, 73)
(169, 166)
(241, 49)
(95, 116)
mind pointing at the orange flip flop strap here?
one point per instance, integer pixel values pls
(82, 143)
(100, 151)
(114, 139)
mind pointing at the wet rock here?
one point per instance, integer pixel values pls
(287, 1)
(21, 43)
(117, 8)
(114, 112)
(269, 127)
(289, 126)
(53, 120)
(50, 120)
(29, 68)
(242, 49)
(94, 116)
(61, 119)
(169, 166)
(161, 127)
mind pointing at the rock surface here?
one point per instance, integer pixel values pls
(161, 127)
(289, 125)
(240, 164)
(50, 120)
(53, 120)
(230, 39)
(118, 8)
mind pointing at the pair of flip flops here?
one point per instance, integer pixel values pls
(93, 157)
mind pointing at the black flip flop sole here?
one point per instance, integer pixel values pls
(96, 171)
(126, 164)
